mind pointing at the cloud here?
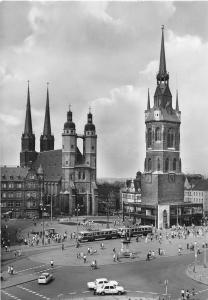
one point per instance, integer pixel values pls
(103, 54)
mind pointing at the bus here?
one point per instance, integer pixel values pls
(95, 235)
(134, 231)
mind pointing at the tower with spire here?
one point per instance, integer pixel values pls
(47, 139)
(162, 180)
(28, 153)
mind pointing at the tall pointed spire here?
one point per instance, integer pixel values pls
(162, 74)
(148, 101)
(28, 153)
(47, 139)
(28, 120)
(47, 122)
(177, 105)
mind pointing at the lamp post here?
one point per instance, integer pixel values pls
(195, 256)
(51, 208)
(43, 209)
(77, 210)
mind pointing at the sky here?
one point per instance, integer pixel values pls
(104, 55)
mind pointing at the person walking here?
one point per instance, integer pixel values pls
(52, 263)
(182, 294)
(12, 270)
(85, 258)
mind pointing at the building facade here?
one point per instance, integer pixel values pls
(131, 199)
(197, 194)
(68, 177)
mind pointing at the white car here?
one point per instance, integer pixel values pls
(99, 282)
(109, 289)
(44, 278)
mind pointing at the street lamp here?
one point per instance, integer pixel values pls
(195, 256)
(77, 210)
(43, 209)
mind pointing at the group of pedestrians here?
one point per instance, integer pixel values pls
(186, 294)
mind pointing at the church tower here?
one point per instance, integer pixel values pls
(47, 139)
(90, 145)
(69, 146)
(28, 153)
(162, 181)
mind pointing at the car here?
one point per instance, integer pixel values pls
(99, 281)
(109, 288)
(45, 278)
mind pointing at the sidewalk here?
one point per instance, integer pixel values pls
(200, 274)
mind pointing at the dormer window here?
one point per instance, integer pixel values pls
(11, 177)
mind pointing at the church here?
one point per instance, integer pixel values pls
(62, 179)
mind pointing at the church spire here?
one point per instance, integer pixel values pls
(28, 120)
(162, 74)
(47, 122)
(148, 101)
(47, 139)
(177, 105)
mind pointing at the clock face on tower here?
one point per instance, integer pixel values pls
(157, 115)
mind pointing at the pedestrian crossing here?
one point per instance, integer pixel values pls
(33, 292)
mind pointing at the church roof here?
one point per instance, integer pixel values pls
(13, 173)
(164, 116)
(201, 185)
(51, 162)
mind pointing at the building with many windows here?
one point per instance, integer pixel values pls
(197, 193)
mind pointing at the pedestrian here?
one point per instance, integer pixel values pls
(187, 295)
(52, 263)
(62, 246)
(193, 292)
(159, 251)
(9, 270)
(85, 258)
(114, 250)
(137, 238)
(182, 294)
(12, 270)
(114, 257)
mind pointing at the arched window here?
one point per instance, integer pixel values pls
(149, 137)
(158, 134)
(170, 137)
(79, 175)
(158, 164)
(149, 164)
(174, 164)
(166, 165)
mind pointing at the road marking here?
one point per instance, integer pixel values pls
(72, 293)
(142, 292)
(30, 268)
(33, 292)
(10, 295)
(85, 292)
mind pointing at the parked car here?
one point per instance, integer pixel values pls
(108, 289)
(100, 281)
(45, 278)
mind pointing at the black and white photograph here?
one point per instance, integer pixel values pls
(104, 150)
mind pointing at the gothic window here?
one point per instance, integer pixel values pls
(149, 137)
(83, 175)
(79, 175)
(170, 137)
(149, 164)
(158, 134)
(166, 165)
(158, 164)
(174, 164)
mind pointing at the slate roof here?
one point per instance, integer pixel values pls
(13, 173)
(201, 185)
(51, 162)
